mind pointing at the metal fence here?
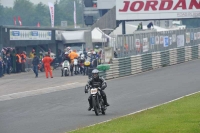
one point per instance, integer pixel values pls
(148, 42)
(28, 65)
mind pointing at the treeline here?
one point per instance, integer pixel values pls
(191, 23)
(31, 13)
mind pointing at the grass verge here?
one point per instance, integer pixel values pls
(181, 116)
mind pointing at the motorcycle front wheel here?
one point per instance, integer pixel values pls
(95, 105)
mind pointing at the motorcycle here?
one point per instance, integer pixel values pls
(65, 68)
(97, 101)
(76, 66)
(87, 66)
(55, 64)
(82, 68)
(41, 66)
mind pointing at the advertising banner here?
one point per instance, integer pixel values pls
(145, 45)
(51, 10)
(137, 44)
(195, 36)
(157, 40)
(174, 38)
(198, 35)
(161, 39)
(30, 35)
(187, 37)
(152, 40)
(180, 40)
(156, 9)
(166, 41)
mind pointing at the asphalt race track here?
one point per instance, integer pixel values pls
(66, 110)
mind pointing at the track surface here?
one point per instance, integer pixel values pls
(66, 110)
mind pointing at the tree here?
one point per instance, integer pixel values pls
(41, 14)
(24, 9)
(32, 14)
(191, 23)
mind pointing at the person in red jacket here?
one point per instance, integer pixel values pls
(47, 61)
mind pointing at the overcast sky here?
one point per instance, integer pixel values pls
(10, 3)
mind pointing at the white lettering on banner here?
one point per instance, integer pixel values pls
(51, 9)
(156, 9)
(30, 35)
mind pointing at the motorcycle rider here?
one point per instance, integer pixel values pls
(66, 57)
(94, 59)
(81, 62)
(96, 82)
(72, 55)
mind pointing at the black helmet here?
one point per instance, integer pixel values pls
(95, 74)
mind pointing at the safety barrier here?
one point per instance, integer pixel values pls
(28, 65)
(140, 63)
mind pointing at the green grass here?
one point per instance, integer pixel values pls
(181, 116)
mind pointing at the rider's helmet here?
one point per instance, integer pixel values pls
(24, 52)
(95, 74)
(94, 53)
(68, 48)
(82, 56)
(66, 53)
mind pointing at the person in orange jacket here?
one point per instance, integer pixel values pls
(73, 55)
(47, 61)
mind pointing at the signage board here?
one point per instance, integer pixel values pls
(156, 9)
(30, 35)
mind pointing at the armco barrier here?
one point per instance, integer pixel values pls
(140, 63)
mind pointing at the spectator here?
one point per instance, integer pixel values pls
(8, 58)
(140, 26)
(35, 63)
(23, 57)
(41, 55)
(115, 54)
(150, 25)
(18, 63)
(85, 53)
(4, 61)
(96, 49)
(31, 55)
(94, 5)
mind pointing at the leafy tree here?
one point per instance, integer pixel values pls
(24, 9)
(32, 14)
(41, 15)
(191, 23)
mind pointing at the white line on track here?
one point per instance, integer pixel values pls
(141, 110)
(40, 91)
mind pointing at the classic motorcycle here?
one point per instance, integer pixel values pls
(97, 101)
(65, 68)
(76, 66)
(82, 68)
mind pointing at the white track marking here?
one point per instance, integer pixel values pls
(40, 91)
(141, 110)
